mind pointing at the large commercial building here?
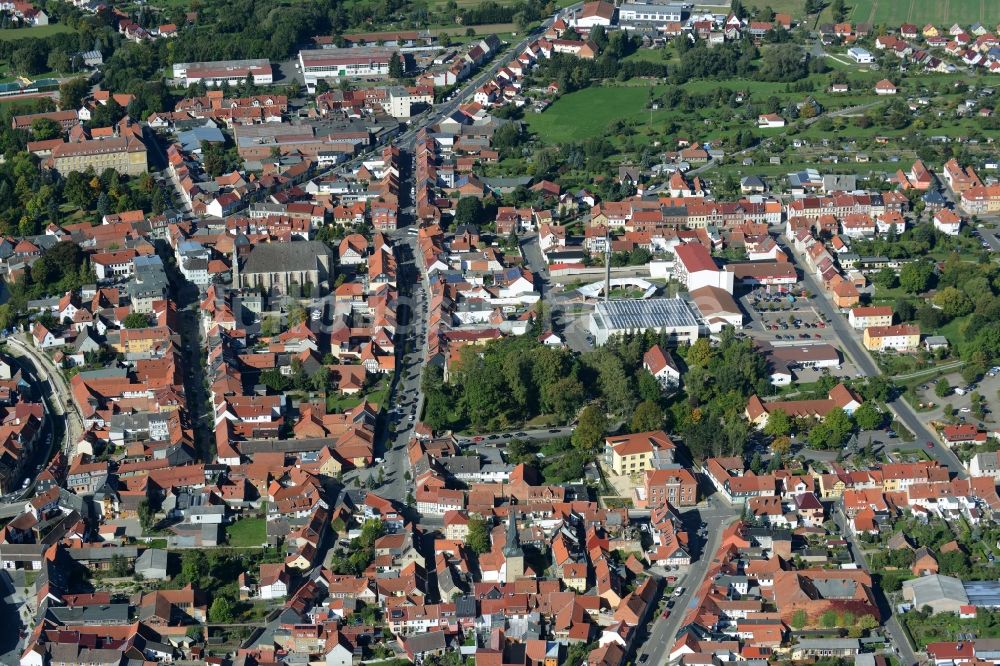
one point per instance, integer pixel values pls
(696, 268)
(320, 64)
(648, 15)
(670, 316)
(218, 72)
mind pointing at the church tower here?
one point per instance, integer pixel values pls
(513, 555)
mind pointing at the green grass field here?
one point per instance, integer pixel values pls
(247, 532)
(941, 13)
(795, 8)
(14, 34)
(586, 113)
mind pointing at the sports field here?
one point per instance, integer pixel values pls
(942, 13)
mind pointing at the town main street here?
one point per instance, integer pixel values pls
(718, 515)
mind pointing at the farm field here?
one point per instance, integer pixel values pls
(941, 13)
(14, 34)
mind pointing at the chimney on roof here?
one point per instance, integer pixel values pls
(607, 266)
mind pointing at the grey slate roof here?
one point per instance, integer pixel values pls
(281, 257)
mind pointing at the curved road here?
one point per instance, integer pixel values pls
(864, 362)
(47, 371)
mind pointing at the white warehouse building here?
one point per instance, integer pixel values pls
(320, 64)
(233, 72)
(671, 316)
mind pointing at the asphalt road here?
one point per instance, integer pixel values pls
(718, 515)
(47, 372)
(406, 392)
(863, 361)
(891, 623)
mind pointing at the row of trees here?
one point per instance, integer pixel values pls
(513, 380)
(718, 381)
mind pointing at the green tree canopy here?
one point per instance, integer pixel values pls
(648, 416)
(43, 129)
(479, 534)
(589, 432)
(915, 277)
(136, 320)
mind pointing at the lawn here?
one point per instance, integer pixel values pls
(940, 13)
(378, 395)
(795, 8)
(14, 34)
(650, 55)
(952, 331)
(247, 532)
(587, 113)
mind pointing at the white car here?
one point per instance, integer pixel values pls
(965, 410)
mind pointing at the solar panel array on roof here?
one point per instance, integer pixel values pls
(983, 593)
(651, 313)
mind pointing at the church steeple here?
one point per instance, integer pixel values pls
(512, 547)
(512, 552)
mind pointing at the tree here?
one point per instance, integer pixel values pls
(146, 518)
(72, 93)
(783, 63)
(838, 10)
(590, 430)
(221, 611)
(700, 353)
(479, 534)
(321, 378)
(886, 279)
(469, 210)
(194, 565)
(43, 129)
(136, 320)
(58, 61)
(868, 622)
(649, 388)
(781, 445)
(799, 619)
(778, 424)
(942, 388)
(832, 432)
(953, 302)
(648, 416)
(396, 69)
(576, 654)
(29, 59)
(868, 417)
(915, 277)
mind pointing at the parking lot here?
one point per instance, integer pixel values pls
(987, 388)
(779, 317)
